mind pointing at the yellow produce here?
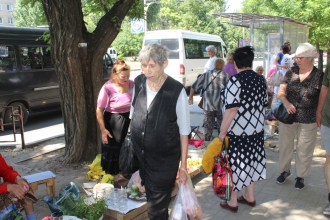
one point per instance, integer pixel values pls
(107, 178)
(95, 171)
(194, 162)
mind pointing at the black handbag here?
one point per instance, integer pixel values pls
(128, 162)
(283, 116)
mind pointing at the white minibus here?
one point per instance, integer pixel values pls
(187, 56)
(113, 54)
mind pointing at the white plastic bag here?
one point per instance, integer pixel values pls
(186, 205)
(136, 180)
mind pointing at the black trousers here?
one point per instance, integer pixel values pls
(117, 125)
(158, 202)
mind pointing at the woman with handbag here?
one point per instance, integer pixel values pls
(160, 127)
(299, 93)
(245, 99)
(210, 84)
(112, 112)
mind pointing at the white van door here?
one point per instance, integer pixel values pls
(175, 64)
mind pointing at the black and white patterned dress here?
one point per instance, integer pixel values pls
(247, 91)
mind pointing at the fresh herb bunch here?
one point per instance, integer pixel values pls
(91, 212)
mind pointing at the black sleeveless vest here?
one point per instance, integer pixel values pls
(155, 134)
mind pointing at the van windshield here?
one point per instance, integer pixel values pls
(171, 44)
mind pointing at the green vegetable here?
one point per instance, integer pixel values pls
(134, 187)
(135, 194)
(90, 212)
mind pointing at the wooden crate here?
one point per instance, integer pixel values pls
(141, 212)
(135, 214)
(196, 171)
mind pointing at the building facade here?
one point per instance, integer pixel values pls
(7, 12)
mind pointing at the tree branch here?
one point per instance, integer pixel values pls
(104, 6)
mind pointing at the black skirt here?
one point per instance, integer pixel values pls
(117, 125)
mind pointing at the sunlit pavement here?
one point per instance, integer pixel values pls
(274, 201)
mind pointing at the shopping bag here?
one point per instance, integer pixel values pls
(186, 205)
(65, 199)
(222, 175)
(212, 151)
(276, 79)
(136, 180)
(128, 162)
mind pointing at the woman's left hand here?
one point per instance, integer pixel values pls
(222, 136)
(183, 176)
(21, 182)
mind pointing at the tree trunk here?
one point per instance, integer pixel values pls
(77, 56)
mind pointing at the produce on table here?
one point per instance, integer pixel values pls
(134, 191)
(107, 178)
(194, 162)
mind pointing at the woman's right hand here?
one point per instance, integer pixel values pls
(105, 135)
(17, 190)
(291, 109)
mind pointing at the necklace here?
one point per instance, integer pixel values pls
(155, 86)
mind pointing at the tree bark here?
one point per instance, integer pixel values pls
(77, 56)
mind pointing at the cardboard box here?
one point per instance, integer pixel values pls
(135, 214)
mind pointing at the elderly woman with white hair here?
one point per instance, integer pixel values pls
(299, 93)
(212, 52)
(160, 126)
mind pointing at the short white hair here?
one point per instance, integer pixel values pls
(212, 48)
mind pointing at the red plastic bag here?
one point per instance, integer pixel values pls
(222, 175)
(196, 143)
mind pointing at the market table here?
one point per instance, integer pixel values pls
(141, 213)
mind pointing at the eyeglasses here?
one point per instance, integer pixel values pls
(299, 58)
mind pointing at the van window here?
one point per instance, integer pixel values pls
(35, 58)
(195, 49)
(7, 59)
(171, 44)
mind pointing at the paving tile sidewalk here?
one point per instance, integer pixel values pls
(274, 201)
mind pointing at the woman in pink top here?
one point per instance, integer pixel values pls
(112, 112)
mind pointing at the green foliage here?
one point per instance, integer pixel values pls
(126, 43)
(120, 57)
(192, 15)
(315, 12)
(90, 212)
(29, 14)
